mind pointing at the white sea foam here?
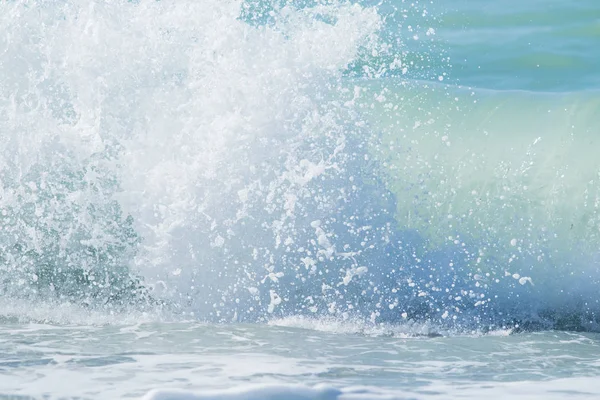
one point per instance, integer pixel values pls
(217, 137)
(356, 326)
(266, 392)
(65, 313)
(583, 388)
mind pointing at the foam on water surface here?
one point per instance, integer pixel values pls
(291, 392)
(233, 361)
(530, 390)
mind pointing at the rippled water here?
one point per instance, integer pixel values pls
(123, 361)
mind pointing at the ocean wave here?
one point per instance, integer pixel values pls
(182, 157)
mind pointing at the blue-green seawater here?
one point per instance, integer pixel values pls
(271, 199)
(542, 46)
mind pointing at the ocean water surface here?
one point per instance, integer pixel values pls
(270, 199)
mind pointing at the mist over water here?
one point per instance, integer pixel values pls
(248, 161)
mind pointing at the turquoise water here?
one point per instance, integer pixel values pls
(545, 46)
(392, 199)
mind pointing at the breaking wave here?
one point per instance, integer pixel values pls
(248, 161)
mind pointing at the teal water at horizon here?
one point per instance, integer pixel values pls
(536, 45)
